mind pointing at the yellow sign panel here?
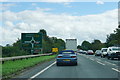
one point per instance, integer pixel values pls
(54, 49)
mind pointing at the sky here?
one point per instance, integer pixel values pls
(80, 20)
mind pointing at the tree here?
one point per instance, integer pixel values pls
(51, 42)
(97, 45)
(114, 38)
(79, 47)
(86, 45)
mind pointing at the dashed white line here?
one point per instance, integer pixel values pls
(42, 70)
(91, 59)
(115, 69)
(98, 59)
(110, 63)
(100, 63)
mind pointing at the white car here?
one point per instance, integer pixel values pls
(113, 52)
(103, 52)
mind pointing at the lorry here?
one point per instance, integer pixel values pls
(71, 44)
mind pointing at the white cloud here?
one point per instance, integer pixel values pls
(6, 6)
(56, 0)
(34, 4)
(64, 26)
(99, 2)
(67, 4)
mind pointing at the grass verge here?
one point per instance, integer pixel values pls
(12, 67)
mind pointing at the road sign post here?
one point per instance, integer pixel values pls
(32, 41)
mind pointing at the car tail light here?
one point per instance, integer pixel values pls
(59, 56)
(73, 56)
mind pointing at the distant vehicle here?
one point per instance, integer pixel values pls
(103, 52)
(84, 52)
(54, 50)
(90, 52)
(113, 52)
(80, 51)
(71, 44)
(66, 57)
(98, 53)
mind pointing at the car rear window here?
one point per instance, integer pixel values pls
(104, 50)
(67, 53)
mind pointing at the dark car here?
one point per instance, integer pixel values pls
(98, 53)
(66, 57)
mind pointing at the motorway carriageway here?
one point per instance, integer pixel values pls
(89, 66)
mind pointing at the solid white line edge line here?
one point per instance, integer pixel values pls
(43, 70)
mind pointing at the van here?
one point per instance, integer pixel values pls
(113, 52)
(103, 52)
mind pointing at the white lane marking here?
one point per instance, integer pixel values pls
(110, 63)
(98, 59)
(91, 59)
(43, 70)
(100, 63)
(115, 69)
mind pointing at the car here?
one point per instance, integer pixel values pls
(84, 52)
(66, 57)
(113, 52)
(80, 51)
(98, 53)
(90, 52)
(103, 52)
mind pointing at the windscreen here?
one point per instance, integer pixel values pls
(116, 49)
(104, 50)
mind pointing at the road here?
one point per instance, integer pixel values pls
(89, 66)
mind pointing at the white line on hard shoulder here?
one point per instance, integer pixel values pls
(115, 69)
(43, 70)
(100, 63)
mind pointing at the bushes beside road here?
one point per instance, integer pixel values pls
(47, 44)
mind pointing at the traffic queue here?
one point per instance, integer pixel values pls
(112, 52)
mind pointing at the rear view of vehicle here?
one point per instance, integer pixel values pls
(90, 52)
(66, 57)
(103, 52)
(98, 53)
(113, 52)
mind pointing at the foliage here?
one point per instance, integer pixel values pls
(51, 42)
(79, 47)
(48, 43)
(97, 45)
(114, 38)
(86, 45)
(12, 51)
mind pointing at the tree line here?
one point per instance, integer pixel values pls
(47, 42)
(112, 39)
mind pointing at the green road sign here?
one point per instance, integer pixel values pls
(31, 40)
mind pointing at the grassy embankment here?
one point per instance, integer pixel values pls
(12, 67)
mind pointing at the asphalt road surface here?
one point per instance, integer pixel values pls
(89, 66)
